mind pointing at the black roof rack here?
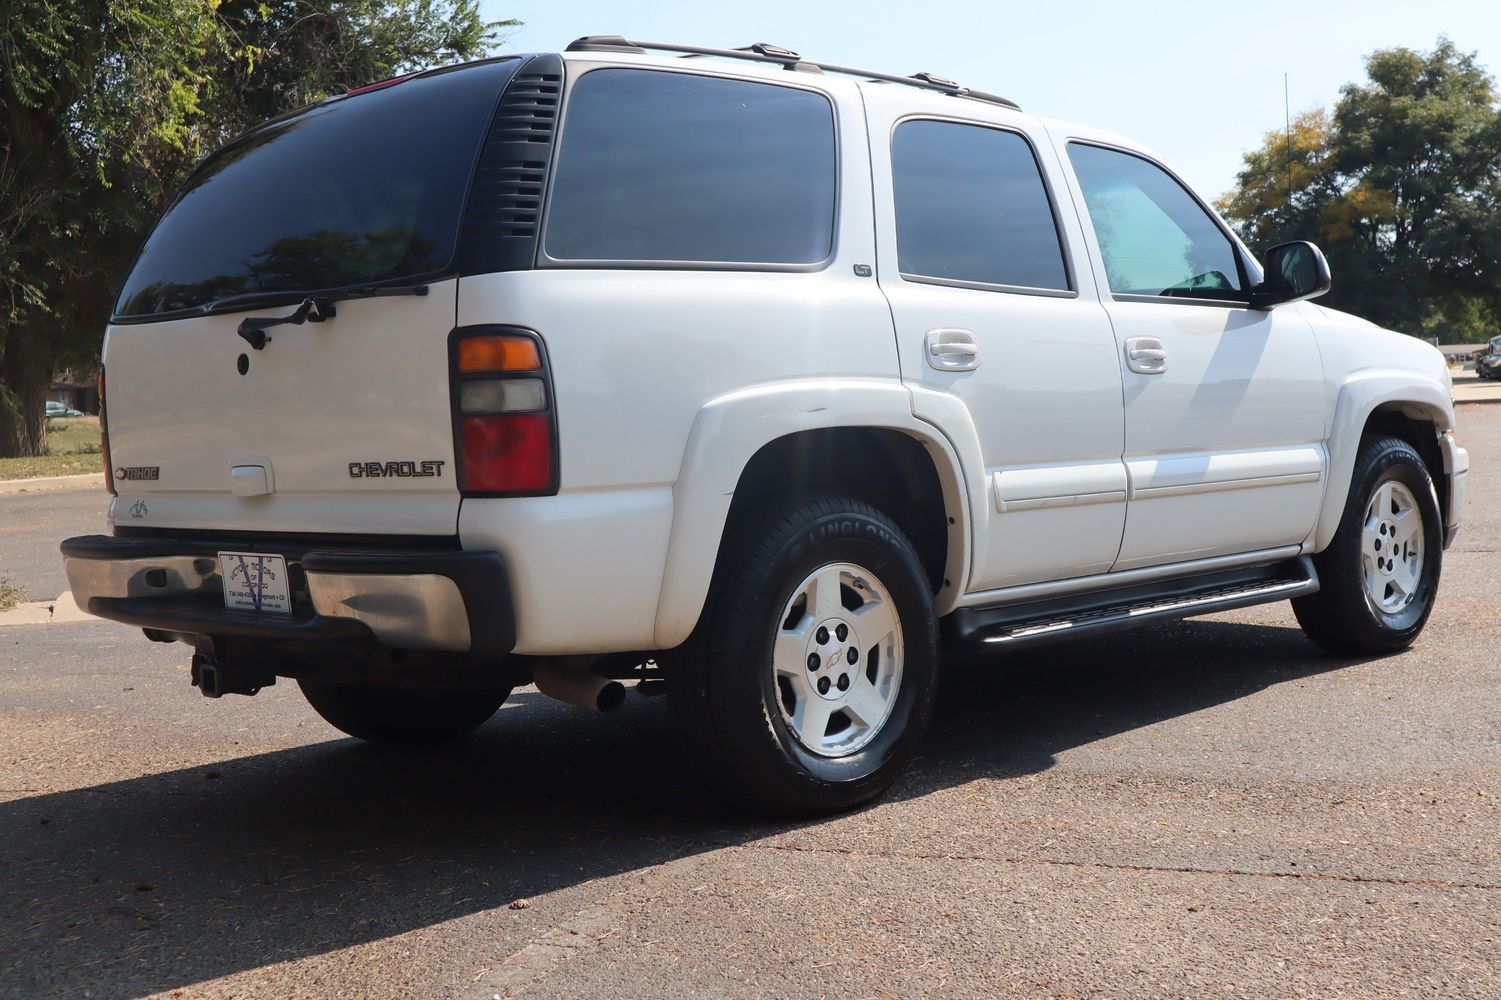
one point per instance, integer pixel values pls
(765, 52)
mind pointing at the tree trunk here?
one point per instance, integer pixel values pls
(25, 373)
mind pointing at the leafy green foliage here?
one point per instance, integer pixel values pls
(11, 594)
(1400, 187)
(106, 104)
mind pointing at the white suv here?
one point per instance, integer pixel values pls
(759, 376)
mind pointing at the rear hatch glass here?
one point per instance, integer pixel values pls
(361, 189)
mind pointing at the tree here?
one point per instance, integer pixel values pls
(104, 107)
(1400, 186)
(85, 88)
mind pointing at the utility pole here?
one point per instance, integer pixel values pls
(1287, 115)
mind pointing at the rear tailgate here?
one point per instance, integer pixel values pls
(350, 418)
(341, 424)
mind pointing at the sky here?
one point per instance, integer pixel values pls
(1199, 83)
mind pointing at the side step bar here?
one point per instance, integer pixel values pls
(1077, 615)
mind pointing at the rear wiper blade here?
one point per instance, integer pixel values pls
(248, 299)
(373, 292)
(314, 309)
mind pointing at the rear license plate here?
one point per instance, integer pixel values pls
(254, 581)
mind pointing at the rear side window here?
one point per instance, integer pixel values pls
(971, 206)
(660, 166)
(1155, 238)
(365, 189)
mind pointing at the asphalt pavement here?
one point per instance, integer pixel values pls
(31, 527)
(1209, 808)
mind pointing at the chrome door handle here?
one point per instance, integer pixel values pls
(952, 350)
(1146, 356)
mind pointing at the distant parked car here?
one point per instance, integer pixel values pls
(1489, 366)
(56, 409)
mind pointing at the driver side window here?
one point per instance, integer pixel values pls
(1155, 238)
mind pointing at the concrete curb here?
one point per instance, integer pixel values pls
(53, 484)
(56, 612)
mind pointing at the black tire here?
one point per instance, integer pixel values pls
(1342, 617)
(727, 699)
(392, 715)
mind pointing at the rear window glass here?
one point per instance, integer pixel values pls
(365, 189)
(971, 206)
(659, 166)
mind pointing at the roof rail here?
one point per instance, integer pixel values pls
(765, 52)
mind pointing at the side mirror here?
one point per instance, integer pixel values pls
(1294, 272)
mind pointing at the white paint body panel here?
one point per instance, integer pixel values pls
(1240, 396)
(1045, 398)
(646, 363)
(370, 384)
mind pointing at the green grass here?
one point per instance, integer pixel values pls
(10, 594)
(73, 443)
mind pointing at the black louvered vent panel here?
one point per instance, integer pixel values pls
(505, 201)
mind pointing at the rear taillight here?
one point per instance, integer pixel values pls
(505, 425)
(109, 472)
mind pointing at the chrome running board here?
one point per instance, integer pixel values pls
(1118, 608)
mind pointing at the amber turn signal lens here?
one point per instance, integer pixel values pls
(498, 354)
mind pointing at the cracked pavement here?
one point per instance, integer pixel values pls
(1207, 808)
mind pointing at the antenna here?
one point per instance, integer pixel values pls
(1287, 116)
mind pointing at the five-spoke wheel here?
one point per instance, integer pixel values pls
(1392, 547)
(838, 659)
(812, 675)
(1379, 574)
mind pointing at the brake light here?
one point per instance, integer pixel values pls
(381, 85)
(109, 476)
(505, 425)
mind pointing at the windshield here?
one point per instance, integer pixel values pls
(365, 189)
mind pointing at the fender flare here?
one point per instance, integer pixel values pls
(1359, 397)
(727, 433)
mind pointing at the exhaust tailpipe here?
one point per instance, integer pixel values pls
(578, 687)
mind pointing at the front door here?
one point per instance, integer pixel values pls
(990, 312)
(1224, 403)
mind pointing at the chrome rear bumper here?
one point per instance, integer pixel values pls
(441, 600)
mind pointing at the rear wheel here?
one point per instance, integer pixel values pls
(814, 674)
(391, 715)
(1379, 576)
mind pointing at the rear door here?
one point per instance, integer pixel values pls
(990, 310)
(339, 425)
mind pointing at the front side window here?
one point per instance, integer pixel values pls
(365, 189)
(1154, 237)
(971, 206)
(659, 166)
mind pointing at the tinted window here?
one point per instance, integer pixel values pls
(668, 166)
(368, 188)
(1155, 238)
(971, 206)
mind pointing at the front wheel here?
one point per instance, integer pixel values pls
(814, 674)
(391, 715)
(1379, 576)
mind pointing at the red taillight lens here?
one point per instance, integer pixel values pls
(109, 471)
(508, 453)
(502, 394)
